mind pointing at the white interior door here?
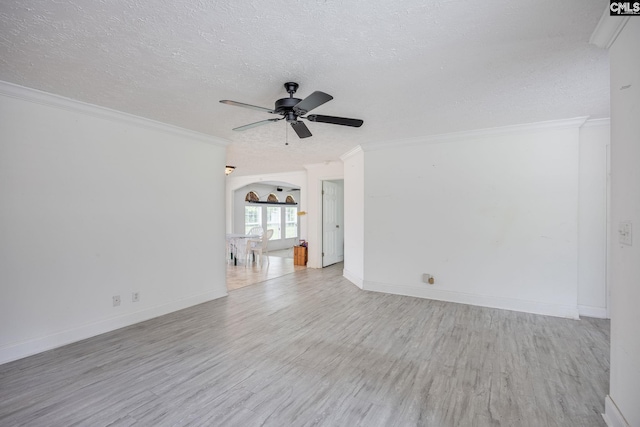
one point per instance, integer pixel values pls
(332, 215)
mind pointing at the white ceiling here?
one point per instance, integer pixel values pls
(407, 67)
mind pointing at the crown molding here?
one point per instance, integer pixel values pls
(576, 123)
(322, 165)
(592, 123)
(355, 150)
(607, 29)
(56, 101)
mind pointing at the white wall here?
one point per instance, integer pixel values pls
(624, 394)
(97, 203)
(317, 173)
(592, 219)
(493, 215)
(354, 215)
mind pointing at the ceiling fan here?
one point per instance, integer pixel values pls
(293, 109)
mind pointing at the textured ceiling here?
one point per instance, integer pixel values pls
(406, 67)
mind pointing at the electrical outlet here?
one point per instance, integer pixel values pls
(135, 297)
(116, 300)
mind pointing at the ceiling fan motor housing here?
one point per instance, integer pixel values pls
(285, 104)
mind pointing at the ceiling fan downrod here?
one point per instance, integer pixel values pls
(291, 88)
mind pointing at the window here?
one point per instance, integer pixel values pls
(251, 196)
(274, 221)
(269, 213)
(252, 217)
(291, 222)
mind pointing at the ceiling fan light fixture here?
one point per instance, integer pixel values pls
(229, 169)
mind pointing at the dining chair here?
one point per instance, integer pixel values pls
(259, 246)
(240, 245)
(256, 231)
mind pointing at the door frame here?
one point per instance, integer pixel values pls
(316, 174)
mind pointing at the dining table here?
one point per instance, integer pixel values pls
(232, 242)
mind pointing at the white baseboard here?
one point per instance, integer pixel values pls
(358, 281)
(612, 415)
(33, 346)
(535, 307)
(588, 311)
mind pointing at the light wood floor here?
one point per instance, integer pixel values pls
(309, 348)
(239, 276)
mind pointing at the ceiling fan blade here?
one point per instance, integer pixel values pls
(242, 104)
(301, 129)
(260, 123)
(335, 120)
(312, 101)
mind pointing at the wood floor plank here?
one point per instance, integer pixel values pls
(310, 349)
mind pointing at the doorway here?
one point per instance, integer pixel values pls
(268, 205)
(332, 222)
